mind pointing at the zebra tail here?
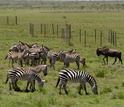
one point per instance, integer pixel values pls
(6, 56)
(57, 82)
(7, 79)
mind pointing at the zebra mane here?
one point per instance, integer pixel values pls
(46, 48)
(93, 79)
(22, 42)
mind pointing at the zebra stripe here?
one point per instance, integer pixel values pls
(76, 77)
(29, 74)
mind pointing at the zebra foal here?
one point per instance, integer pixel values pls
(29, 74)
(13, 55)
(76, 76)
(69, 58)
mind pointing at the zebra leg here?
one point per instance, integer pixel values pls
(67, 64)
(32, 86)
(27, 85)
(64, 86)
(60, 87)
(12, 63)
(85, 89)
(80, 89)
(9, 62)
(10, 86)
(77, 64)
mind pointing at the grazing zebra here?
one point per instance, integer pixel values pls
(29, 74)
(13, 55)
(70, 58)
(53, 56)
(76, 76)
(82, 60)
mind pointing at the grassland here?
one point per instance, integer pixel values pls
(109, 77)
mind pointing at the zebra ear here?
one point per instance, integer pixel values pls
(43, 80)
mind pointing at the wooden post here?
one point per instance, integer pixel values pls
(67, 36)
(53, 28)
(16, 20)
(41, 28)
(80, 36)
(113, 37)
(32, 30)
(69, 31)
(7, 20)
(57, 30)
(63, 34)
(101, 39)
(95, 35)
(85, 39)
(44, 30)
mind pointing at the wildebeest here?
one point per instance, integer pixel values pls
(106, 51)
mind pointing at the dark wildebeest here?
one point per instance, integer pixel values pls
(109, 52)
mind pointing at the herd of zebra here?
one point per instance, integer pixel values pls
(32, 54)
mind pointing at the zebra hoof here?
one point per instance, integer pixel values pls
(60, 93)
(80, 93)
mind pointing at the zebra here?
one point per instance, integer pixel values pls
(14, 48)
(70, 58)
(53, 55)
(13, 55)
(29, 74)
(82, 60)
(76, 76)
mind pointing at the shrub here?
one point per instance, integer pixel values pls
(106, 90)
(122, 84)
(120, 96)
(100, 74)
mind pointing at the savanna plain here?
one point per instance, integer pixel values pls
(109, 78)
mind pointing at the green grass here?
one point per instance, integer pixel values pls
(108, 77)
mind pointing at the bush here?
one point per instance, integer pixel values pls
(106, 90)
(100, 74)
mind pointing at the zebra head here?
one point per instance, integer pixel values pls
(42, 68)
(94, 89)
(41, 83)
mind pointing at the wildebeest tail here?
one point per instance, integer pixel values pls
(57, 82)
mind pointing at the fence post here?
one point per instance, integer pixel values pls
(85, 39)
(67, 37)
(53, 28)
(7, 20)
(69, 31)
(63, 34)
(16, 20)
(57, 30)
(80, 36)
(41, 28)
(44, 30)
(101, 39)
(113, 37)
(32, 26)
